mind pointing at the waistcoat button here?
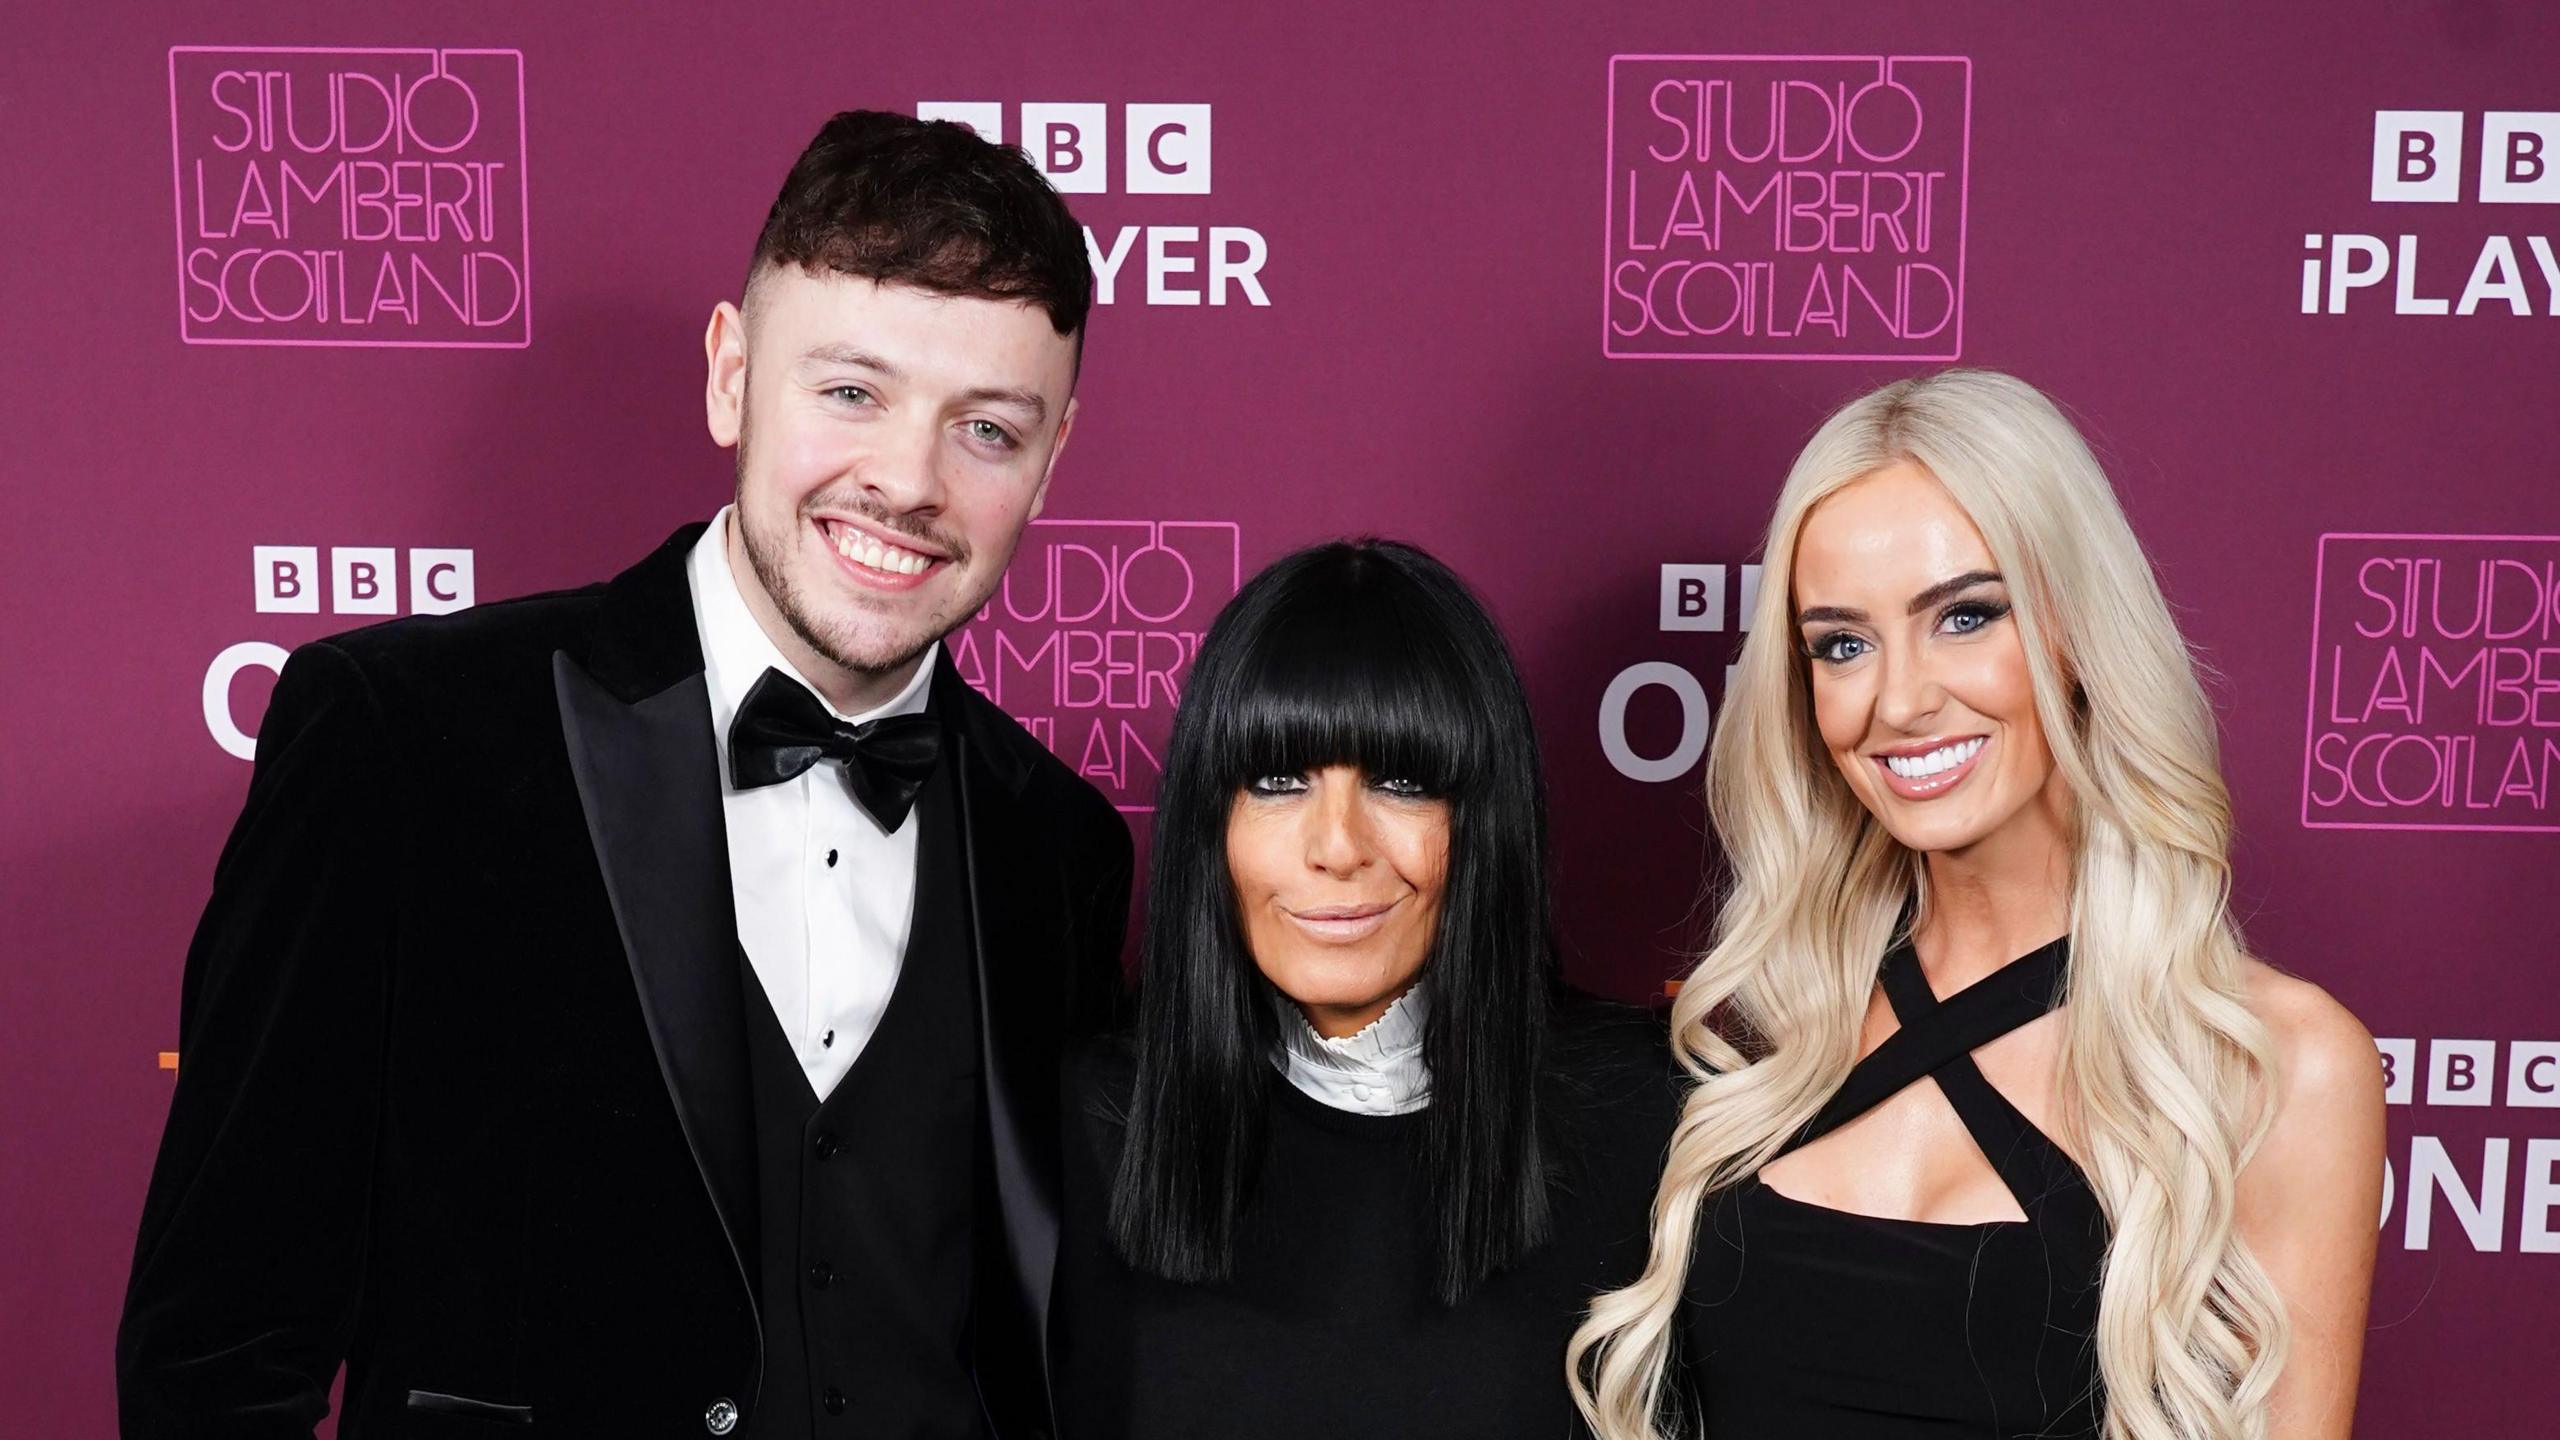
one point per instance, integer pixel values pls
(721, 1418)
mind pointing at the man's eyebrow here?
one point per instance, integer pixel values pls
(1028, 400)
(834, 353)
(1943, 590)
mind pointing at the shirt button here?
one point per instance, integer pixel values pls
(721, 1418)
(829, 1146)
(822, 1274)
(831, 859)
(833, 1400)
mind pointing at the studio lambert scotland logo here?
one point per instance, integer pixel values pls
(350, 197)
(2435, 684)
(1089, 640)
(1787, 207)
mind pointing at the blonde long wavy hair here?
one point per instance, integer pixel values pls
(2165, 1073)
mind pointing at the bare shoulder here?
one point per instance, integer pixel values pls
(2320, 1044)
(2310, 1191)
(2328, 1074)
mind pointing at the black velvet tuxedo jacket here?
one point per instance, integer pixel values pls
(463, 1096)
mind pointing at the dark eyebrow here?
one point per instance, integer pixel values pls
(1950, 588)
(1841, 614)
(1943, 590)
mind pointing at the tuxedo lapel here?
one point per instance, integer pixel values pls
(1016, 916)
(636, 715)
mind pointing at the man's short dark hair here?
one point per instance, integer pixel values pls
(927, 203)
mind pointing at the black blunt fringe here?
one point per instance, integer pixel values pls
(1367, 653)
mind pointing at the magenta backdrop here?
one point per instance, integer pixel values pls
(2294, 276)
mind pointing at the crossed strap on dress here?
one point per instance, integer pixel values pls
(1937, 1038)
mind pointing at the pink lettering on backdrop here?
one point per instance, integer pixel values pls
(2435, 684)
(1787, 207)
(350, 196)
(1090, 637)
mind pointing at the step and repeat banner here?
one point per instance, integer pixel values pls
(321, 316)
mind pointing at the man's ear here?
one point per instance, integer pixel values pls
(1066, 427)
(724, 385)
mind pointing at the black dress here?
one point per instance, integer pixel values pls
(1329, 1326)
(1806, 1321)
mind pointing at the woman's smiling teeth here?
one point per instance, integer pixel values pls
(1933, 762)
(864, 549)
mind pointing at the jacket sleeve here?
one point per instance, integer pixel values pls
(251, 1253)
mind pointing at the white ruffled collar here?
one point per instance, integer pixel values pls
(1377, 1070)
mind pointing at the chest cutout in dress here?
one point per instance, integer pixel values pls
(1911, 1157)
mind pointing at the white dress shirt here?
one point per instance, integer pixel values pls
(825, 897)
(1376, 1070)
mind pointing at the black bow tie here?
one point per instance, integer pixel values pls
(782, 730)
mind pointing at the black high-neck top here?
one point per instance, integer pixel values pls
(1805, 1321)
(1329, 1326)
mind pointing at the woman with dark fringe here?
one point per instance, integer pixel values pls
(1363, 1161)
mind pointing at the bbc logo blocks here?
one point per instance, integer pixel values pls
(1163, 150)
(2464, 1073)
(2418, 157)
(361, 580)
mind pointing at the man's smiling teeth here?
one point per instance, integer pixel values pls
(862, 549)
(1945, 757)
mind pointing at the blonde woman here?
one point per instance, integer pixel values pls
(1997, 1129)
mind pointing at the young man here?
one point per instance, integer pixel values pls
(637, 1010)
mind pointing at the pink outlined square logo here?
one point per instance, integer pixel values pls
(1089, 639)
(1787, 207)
(331, 196)
(2434, 701)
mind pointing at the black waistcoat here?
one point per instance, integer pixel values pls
(867, 1201)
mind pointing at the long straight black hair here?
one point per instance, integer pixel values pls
(1372, 654)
